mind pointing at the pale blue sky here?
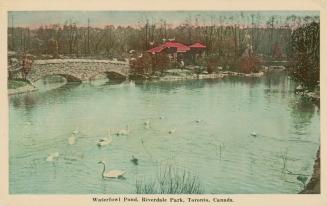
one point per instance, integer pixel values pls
(100, 18)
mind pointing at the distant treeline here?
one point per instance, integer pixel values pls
(273, 40)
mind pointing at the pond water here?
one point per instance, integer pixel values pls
(212, 122)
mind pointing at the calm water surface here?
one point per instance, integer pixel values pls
(219, 149)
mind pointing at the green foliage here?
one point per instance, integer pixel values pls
(306, 57)
(14, 84)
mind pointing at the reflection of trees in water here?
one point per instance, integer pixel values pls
(277, 86)
(279, 81)
(26, 100)
(167, 86)
(195, 84)
(302, 112)
(29, 100)
(50, 81)
(251, 82)
(277, 78)
(16, 102)
(171, 86)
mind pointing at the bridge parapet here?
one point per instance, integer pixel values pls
(63, 61)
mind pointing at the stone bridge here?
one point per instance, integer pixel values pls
(75, 69)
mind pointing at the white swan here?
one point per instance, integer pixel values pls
(111, 173)
(123, 131)
(161, 117)
(171, 131)
(72, 139)
(197, 121)
(75, 131)
(104, 140)
(52, 157)
(253, 133)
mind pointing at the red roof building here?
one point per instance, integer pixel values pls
(157, 49)
(180, 48)
(197, 46)
(179, 52)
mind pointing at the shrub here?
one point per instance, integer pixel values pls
(212, 63)
(142, 65)
(249, 64)
(161, 62)
(306, 56)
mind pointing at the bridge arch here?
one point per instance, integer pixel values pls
(68, 77)
(111, 75)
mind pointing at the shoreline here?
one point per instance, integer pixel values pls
(31, 88)
(313, 186)
(209, 76)
(23, 89)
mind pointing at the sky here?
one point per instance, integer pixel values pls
(125, 18)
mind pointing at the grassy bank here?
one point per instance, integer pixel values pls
(19, 86)
(14, 84)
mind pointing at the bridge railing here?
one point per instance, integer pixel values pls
(62, 61)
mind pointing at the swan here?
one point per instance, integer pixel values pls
(52, 157)
(171, 131)
(72, 139)
(75, 131)
(134, 160)
(253, 133)
(197, 121)
(147, 124)
(161, 117)
(111, 173)
(105, 140)
(123, 131)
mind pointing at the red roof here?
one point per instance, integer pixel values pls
(157, 49)
(170, 44)
(197, 45)
(180, 47)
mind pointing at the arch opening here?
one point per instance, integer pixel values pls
(108, 77)
(53, 81)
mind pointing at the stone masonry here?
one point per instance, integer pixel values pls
(77, 69)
